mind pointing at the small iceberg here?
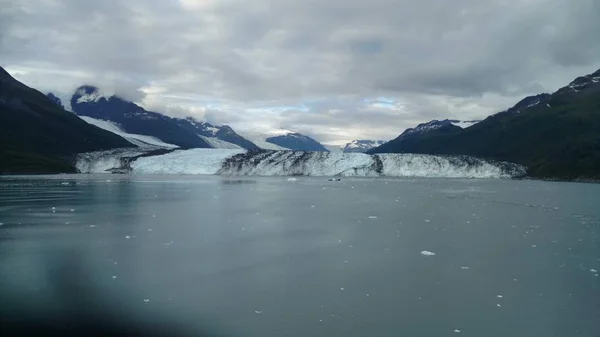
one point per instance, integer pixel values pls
(427, 253)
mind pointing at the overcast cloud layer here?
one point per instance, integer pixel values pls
(334, 69)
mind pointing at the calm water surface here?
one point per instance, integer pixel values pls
(272, 257)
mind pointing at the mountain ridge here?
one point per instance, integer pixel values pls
(555, 135)
(38, 136)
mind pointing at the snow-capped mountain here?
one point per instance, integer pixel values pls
(284, 140)
(294, 141)
(138, 140)
(38, 136)
(132, 119)
(563, 126)
(583, 84)
(526, 103)
(361, 145)
(434, 125)
(431, 128)
(220, 136)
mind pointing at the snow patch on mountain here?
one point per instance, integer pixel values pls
(139, 140)
(260, 139)
(361, 145)
(280, 132)
(87, 95)
(216, 143)
(463, 124)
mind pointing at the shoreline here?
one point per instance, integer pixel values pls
(577, 180)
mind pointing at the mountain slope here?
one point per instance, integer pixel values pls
(411, 136)
(361, 145)
(138, 140)
(223, 133)
(556, 137)
(283, 140)
(295, 141)
(131, 118)
(88, 101)
(38, 136)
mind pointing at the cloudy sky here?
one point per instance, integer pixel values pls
(334, 69)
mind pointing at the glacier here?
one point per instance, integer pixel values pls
(135, 139)
(291, 163)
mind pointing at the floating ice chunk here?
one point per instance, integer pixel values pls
(114, 277)
(427, 253)
(292, 179)
(72, 210)
(456, 330)
(342, 289)
(92, 226)
(108, 180)
(128, 237)
(372, 217)
(54, 208)
(498, 305)
(149, 229)
(593, 270)
(426, 220)
(65, 183)
(258, 311)
(1, 224)
(464, 268)
(533, 246)
(312, 206)
(146, 300)
(154, 215)
(499, 296)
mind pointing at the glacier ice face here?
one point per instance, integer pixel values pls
(114, 161)
(293, 163)
(298, 163)
(194, 161)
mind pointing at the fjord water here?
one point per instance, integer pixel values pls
(306, 257)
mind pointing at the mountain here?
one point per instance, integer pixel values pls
(557, 136)
(361, 145)
(223, 133)
(283, 140)
(417, 134)
(38, 136)
(142, 141)
(56, 100)
(131, 118)
(294, 141)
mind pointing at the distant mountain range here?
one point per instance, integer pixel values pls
(183, 132)
(555, 135)
(294, 141)
(38, 136)
(437, 126)
(361, 145)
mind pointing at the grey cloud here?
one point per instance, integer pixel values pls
(440, 58)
